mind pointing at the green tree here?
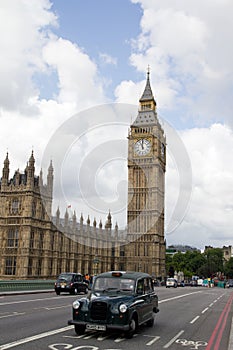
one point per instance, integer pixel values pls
(214, 262)
(168, 262)
(194, 261)
(189, 262)
(178, 261)
(228, 268)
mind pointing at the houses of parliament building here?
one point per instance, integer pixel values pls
(36, 244)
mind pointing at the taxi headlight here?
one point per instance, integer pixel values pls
(123, 308)
(76, 304)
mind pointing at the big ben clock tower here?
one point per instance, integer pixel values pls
(145, 250)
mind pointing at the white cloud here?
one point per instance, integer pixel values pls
(187, 44)
(209, 218)
(108, 59)
(29, 53)
(24, 28)
(77, 74)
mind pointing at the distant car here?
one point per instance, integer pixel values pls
(193, 283)
(171, 282)
(119, 301)
(229, 284)
(69, 282)
(181, 284)
(200, 282)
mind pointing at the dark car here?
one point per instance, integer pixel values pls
(193, 283)
(119, 301)
(229, 284)
(181, 284)
(69, 282)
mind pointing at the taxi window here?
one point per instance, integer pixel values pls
(78, 278)
(140, 286)
(144, 286)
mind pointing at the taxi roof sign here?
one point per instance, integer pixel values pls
(116, 274)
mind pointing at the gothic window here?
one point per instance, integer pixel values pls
(122, 251)
(39, 267)
(13, 238)
(41, 239)
(31, 242)
(50, 267)
(15, 206)
(30, 262)
(33, 209)
(10, 265)
(145, 249)
(113, 252)
(42, 212)
(52, 241)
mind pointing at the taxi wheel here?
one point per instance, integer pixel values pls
(132, 328)
(79, 329)
(57, 292)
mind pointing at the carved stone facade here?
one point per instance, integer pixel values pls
(33, 244)
(146, 178)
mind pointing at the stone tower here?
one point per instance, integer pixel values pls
(145, 250)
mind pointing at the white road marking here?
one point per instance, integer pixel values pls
(55, 307)
(203, 311)
(91, 335)
(173, 340)
(195, 319)
(33, 300)
(155, 338)
(14, 314)
(118, 340)
(178, 297)
(102, 337)
(34, 337)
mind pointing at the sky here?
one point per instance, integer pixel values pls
(72, 73)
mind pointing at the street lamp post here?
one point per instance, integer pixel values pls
(96, 263)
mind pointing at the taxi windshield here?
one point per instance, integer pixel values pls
(103, 284)
(65, 277)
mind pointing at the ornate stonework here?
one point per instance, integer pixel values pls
(34, 244)
(146, 178)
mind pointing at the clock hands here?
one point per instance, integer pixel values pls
(142, 147)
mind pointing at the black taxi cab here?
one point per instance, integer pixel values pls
(119, 301)
(69, 282)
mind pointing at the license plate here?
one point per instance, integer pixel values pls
(96, 327)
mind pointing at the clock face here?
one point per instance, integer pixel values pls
(142, 147)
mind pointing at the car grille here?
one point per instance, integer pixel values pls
(99, 310)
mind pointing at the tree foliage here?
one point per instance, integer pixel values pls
(205, 264)
(228, 268)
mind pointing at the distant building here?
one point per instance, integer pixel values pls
(227, 252)
(172, 249)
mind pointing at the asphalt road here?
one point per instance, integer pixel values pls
(189, 318)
